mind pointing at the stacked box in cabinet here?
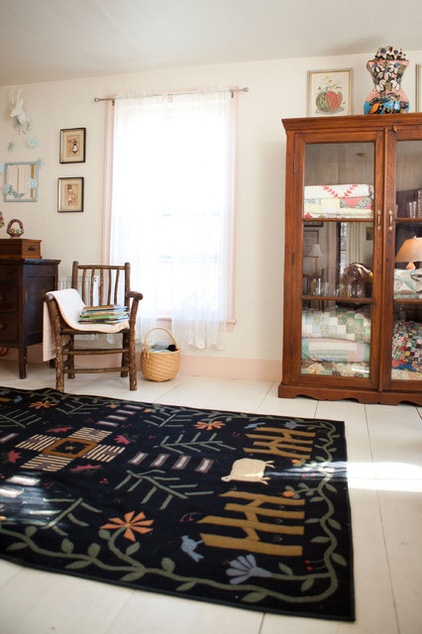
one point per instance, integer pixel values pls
(23, 283)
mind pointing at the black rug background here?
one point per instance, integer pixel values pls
(140, 494)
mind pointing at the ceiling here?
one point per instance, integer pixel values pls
(46, 40)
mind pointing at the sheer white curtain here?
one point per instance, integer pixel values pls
(356, 237)
(172, 207)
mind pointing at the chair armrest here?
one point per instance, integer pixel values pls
(53, 312)
(48, 297)
(135, 298)
(134, 295)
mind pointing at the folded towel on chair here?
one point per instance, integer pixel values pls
(70, 305)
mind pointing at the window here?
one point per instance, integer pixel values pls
(172, 208)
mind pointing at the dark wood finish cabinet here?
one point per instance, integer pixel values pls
(23, 283)
(352, 324)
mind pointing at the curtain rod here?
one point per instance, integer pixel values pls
(175, 92)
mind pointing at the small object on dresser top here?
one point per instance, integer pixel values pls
(15, 232)
(20, 249)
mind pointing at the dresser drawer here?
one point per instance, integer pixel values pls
(20, 248)
(8, 298)
(9, 272)
(9, 328)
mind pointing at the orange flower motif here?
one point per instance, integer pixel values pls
(40, 404)
(209, 426)
(131, 523)
(288, 494)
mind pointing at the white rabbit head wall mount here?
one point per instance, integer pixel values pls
(22, 120)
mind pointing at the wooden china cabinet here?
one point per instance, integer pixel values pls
(352, 302)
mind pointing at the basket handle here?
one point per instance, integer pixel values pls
(166, 331)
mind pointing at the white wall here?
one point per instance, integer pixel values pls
(277, 89)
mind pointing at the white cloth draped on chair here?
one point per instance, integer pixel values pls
(70, 306)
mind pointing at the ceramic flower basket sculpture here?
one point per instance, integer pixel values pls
(387, 69)
(15, 232)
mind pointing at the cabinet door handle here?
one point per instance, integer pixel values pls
(379, 219)
(390, 220)
(2, 298)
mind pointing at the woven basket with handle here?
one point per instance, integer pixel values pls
(159, 365)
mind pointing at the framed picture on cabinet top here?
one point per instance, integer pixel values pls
(72, 145)
(418, 87)
(329, 92)
(70, 194)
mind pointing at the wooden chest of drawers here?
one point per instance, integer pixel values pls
(23, 283)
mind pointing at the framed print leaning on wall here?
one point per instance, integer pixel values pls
(329, 92)
(70, 194)
(418, 87)
(72, 145)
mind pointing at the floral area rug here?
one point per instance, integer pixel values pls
(246, 510)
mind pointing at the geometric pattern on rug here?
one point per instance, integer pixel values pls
(246, 510)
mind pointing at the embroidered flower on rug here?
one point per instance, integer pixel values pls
(289, 492)
(131, 522)
(209, 426)
(243, 568)
(40, 404)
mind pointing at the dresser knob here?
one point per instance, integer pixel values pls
(2, 298)
(2, 326)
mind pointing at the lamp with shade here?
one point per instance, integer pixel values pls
(315, 252)
(410, 252)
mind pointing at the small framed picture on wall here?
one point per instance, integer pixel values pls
(70, 194)
(72, 145)
(329, 92)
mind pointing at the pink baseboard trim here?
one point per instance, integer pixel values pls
(258, 369)
(228, 368)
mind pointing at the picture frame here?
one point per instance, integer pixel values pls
(70, 194)
(313, 223)
(73, 145)
(310, 237)
(330, 92)
(418, 87)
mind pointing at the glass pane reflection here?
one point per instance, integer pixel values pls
(337, 259)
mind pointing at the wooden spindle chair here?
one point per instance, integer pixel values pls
(97, 285)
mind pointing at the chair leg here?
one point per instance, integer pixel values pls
(125, 355)
(133, 372)
(70, 358)
(59, 369)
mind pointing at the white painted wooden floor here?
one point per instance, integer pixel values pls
(385, 481)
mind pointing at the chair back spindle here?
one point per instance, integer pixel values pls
(102, 285)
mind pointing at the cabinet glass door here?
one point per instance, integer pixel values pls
(337, 263)
(407, 290)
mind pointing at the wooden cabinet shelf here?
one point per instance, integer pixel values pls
(353, 184)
